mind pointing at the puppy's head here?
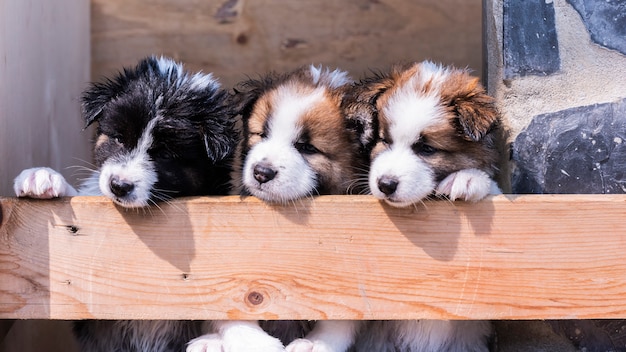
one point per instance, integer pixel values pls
(297, 140)
(162, 132)
(433, 121)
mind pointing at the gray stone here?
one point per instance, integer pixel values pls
(578, 150)
(530, 44)
(605, 20)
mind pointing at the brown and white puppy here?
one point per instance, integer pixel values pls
(435, 137)
(301, 139)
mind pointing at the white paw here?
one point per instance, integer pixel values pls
(305, 345)
(468, 184)
(250, 340)
(43, 183)
(205, 343)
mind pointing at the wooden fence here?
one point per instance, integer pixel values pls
(331, 257)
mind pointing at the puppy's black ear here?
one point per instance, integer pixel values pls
(218, 127)
(476, 111)
(361, 117)
(98, 95)
(246, 93)
(95, 99)
(359, 107)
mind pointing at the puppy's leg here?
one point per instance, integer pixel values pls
(327, 336)
(468, 184)
(43, 183)
(235, 336)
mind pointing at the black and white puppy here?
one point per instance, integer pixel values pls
(436, 137)
(301, 138)
(162, 132)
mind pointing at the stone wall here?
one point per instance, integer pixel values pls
(558, 71)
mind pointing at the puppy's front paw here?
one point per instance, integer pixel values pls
(468, 184)
(249, 339)
(305, 345)
(206, 343)
(43, 183)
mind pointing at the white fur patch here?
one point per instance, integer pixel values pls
(289, 109)
(197, 81)
(409, 114)
(333, 79)
(235, 335)
(327, 336)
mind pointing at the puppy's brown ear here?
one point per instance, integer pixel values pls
(476, 111)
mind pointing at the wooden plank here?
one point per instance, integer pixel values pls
(339, 257)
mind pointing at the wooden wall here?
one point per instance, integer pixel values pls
(236, 38)
(44, 47)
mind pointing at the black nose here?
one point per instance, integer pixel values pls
(120, 188)
(264, 173)
(387, 184)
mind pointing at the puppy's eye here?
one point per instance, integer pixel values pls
(260, 134)
(423, 149)
(384, 141)
(306, 148)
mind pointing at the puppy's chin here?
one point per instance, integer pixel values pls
(278, 192)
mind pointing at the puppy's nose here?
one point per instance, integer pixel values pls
(264, 173)
(387, 184)
(120, 188)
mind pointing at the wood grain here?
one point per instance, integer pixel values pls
(339, 257)
(238, 39)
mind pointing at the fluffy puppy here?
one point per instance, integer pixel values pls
(301, 138)
(162, 132)
(435, 137)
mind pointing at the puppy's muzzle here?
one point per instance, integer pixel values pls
(387, 185)
(120, 188)
(264, 173)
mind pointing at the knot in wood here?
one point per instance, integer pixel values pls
(255, 298)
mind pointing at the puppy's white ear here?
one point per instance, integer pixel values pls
(476, 111)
